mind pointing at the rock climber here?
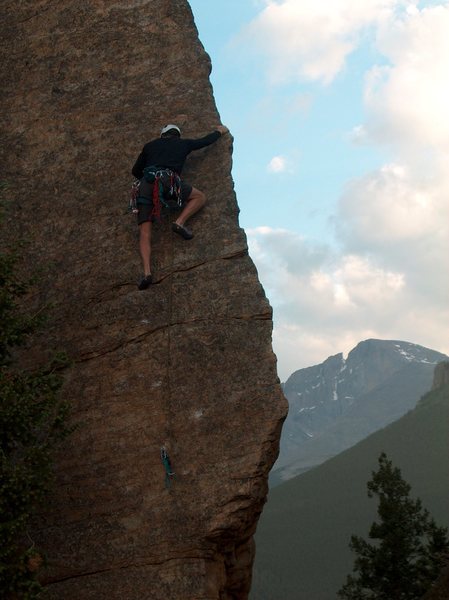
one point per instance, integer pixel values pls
(170, 152)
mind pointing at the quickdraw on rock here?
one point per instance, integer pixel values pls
(132, 207)
(169, 474)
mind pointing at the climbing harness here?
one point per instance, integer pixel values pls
(166, 189)
(169, 474)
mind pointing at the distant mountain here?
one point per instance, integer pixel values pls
(339, 402)
(302, 540)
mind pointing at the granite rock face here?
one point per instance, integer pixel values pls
(187, 364)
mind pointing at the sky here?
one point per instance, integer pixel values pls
(340, 115)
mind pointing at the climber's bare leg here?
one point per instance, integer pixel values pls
(195, 202)
(145, 246)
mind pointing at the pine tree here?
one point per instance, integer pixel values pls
(409, 549)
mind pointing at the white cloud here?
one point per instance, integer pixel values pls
(326, 302)
(402, 219)
(400, 213)
(358, 135)
(278, 164)
(389, 206)
(408, 99)
(310, 39)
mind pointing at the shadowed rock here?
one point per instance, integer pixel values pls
(188, 363)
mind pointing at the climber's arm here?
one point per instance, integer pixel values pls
(208, 139)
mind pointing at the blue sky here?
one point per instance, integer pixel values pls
(339, 115)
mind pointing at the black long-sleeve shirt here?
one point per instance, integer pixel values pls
(170, 152)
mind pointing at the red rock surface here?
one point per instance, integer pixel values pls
(188, 363)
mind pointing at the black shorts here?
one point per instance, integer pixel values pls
(146, 191)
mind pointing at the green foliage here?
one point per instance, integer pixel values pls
(409, 549)
(32, 423)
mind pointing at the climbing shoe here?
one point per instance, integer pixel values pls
(145, 282)
(182, 231)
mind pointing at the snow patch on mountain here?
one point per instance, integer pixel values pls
(414, 357)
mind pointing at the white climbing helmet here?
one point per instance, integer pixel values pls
(169, 127)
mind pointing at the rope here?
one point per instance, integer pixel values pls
(157, 193)
(169, 474)
(156, 176)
